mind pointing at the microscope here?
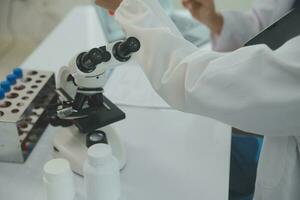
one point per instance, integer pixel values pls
(82, 114)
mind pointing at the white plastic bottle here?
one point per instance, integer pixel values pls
(101, 174)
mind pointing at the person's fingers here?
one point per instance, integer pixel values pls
(108, 4)
(111, 13)
(101, 3)
(186, 3)
(191, 5)
(204, 2)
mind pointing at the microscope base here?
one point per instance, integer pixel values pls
(71, 145)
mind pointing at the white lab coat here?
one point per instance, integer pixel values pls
(239, 27)
(253, 88)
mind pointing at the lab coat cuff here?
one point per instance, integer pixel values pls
(123, 5)
(224, 41)
(142, 8)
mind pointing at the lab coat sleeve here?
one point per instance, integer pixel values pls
(239, 27)
(253, 88)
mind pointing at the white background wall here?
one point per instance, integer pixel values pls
(25, 23)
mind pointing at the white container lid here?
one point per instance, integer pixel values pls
(57, 169)
(58, 179)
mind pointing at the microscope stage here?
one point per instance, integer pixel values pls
(99, 117)
(91, 118)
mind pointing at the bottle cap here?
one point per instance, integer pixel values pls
(99, 154)
(18, 72)
(11, 78)
(5, 85)
(58, 179)
(2, 94)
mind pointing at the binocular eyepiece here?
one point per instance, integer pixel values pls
(122, 51)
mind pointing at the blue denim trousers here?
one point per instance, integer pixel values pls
(245, 151)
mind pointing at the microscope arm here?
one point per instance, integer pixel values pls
(83, 80)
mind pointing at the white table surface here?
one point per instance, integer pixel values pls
(171, 155)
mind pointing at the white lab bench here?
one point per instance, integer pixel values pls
(171, 155)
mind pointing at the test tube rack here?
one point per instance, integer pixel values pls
(25, 95)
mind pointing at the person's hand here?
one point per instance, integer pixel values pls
(110, 5)
(205, 12)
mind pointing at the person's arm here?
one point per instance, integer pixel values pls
(237, 27)
(253, 88)
(205, 12)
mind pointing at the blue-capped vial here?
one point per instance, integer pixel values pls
(2, 94)
(18, 72)
(11, 78)
(5, 85)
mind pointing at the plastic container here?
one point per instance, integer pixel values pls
(101, 174)
(58, 180)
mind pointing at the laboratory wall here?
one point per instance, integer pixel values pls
(25, 23)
